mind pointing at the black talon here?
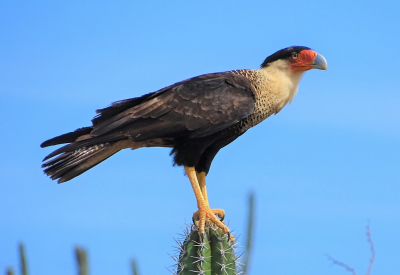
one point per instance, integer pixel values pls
(222, 218)
(195, 220)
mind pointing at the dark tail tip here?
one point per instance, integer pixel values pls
(68, 137)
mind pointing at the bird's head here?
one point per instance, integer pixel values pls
(296, 59)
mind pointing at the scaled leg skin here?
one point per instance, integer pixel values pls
(201, 178)
(204, 213)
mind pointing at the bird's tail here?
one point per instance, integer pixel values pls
(81, 154)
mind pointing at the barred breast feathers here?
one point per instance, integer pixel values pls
(274, 88)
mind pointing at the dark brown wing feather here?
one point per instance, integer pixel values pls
(196, 107)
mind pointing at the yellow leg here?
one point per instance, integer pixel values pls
(201, 177)
(204, 213)
(191, 174)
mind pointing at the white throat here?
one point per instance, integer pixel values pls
(283, 82)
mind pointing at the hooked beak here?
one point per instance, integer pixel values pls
(320, 63)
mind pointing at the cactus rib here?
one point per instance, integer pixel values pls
(206, 254)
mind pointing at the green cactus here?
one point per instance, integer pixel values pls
(82, 260)
(207, 254)
(134, 267)
(22, 256)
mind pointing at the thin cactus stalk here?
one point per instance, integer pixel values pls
(206, 254)
(81, 258)
(250, 229)
(24, 265)
(134, 266)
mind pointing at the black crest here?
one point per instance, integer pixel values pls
(282, 54)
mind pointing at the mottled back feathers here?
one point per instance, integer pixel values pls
(196, 107)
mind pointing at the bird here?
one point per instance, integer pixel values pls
(195, 117)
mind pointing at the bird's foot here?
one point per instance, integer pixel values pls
(205, 214)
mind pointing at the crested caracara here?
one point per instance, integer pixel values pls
(195, 117)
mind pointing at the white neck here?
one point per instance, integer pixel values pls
(281, 81)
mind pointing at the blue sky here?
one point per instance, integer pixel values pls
(322, 169)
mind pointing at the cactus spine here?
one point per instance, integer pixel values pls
(208, 254)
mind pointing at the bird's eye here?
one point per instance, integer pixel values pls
(295, 55)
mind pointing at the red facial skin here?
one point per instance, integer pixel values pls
(303, 62)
